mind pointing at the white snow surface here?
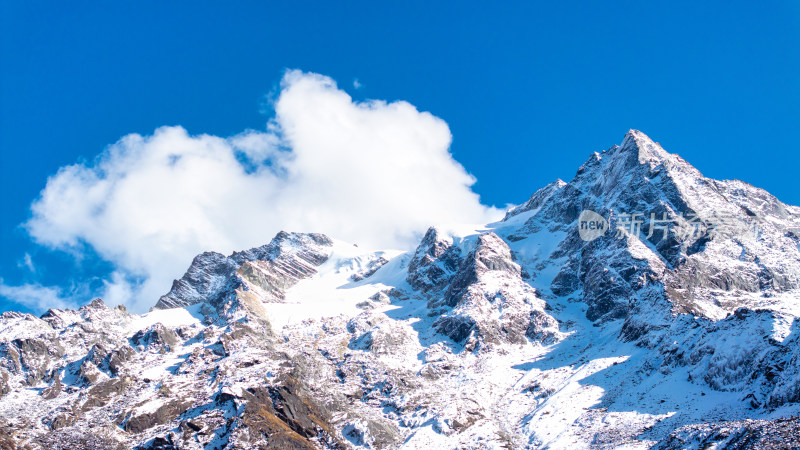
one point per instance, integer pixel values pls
(331, 291)
(370, 347)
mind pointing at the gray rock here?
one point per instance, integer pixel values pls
(212, 275)
(434, 263)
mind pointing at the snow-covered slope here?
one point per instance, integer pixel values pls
(673, 326)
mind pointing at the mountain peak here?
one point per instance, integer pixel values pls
(537, 199)
(647, 150)
(690, 285)
(212, 274)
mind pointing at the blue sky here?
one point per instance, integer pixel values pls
(528, 90)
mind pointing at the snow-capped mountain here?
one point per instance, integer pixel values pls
(639, 305)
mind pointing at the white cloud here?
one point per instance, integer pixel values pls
(373, 173)
(38, 297)
(27, 263)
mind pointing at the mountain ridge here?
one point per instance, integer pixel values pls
(673, 325)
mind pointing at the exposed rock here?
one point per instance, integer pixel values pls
(282, 417)
(212, 275)
(35, 356)
(53, 390)
(520, 335)
(167, 412)
(490, 254)
(537, 200)
(209, 276)
(737, 435)
(4, 382)
(491, 301)
(88, 373)
(156, 337)
(434, 263)
(370, 269)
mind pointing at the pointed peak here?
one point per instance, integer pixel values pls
(537, 199)
(634, 133)
(282, 242)
(434, 243)
(96, 303)
(636, 137)
(647, 150)
(302, 238)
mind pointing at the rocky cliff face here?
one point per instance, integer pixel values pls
(272, 268)
(490, 303)
(664, 316)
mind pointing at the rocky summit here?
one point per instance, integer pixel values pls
(639, 305)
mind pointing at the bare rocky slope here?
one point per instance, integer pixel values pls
(640, 305)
